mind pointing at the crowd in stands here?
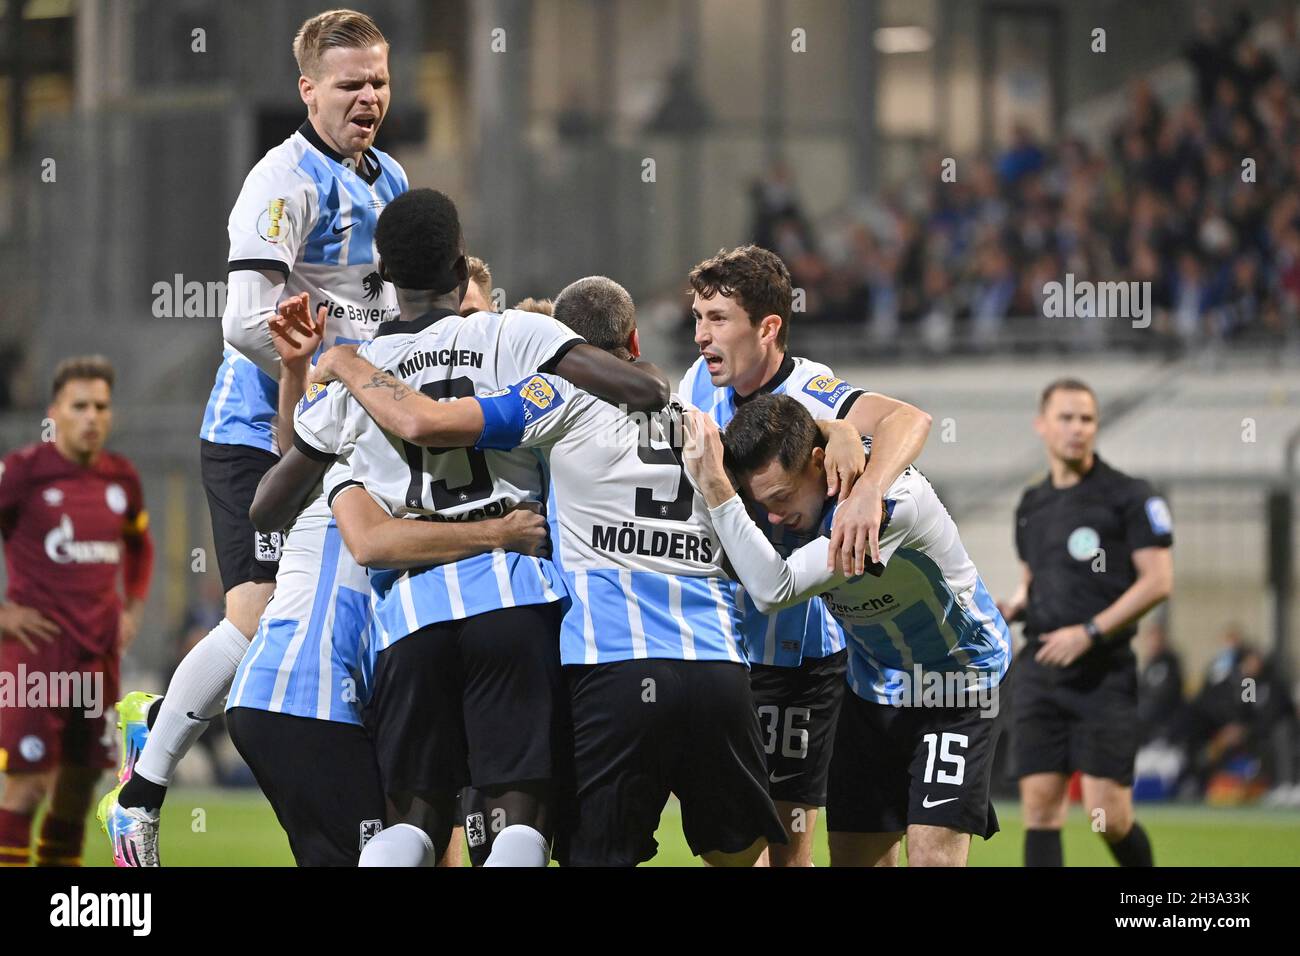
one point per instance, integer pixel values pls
(1199, 198)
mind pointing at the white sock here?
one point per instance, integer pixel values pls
(399, 845)
(518, 845)
(199, 685)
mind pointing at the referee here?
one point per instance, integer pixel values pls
(1094, 546)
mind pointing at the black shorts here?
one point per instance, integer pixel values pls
(797, 710)
(1084, 720)
(479, 701)
(646, 728)
(895, 766)
(230, 476)
(320, 777)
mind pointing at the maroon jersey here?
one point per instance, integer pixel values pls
(67, 528)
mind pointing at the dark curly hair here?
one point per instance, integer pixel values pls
(756, 278)
(768, 427)
(419, 241)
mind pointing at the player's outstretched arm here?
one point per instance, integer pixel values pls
(251, 296)
(399, 409)
(377, 540)
(638, 386)
(284, 489)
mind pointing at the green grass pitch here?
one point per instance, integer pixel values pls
(238, 828)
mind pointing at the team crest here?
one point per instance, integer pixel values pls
(31, 748)
(1083, 543)
(267, 544)
(475, 831)
(827, 389)
(369, 830)
(115, 497)
(539, 397)
(270, 222)
(53, 496)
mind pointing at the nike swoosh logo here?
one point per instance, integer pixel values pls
(339, 232)
(193, 716)
(789, 776)
(927, 804)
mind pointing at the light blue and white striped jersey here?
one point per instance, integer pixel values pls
(444, 356)
(926, 606)
(309, 656)
(631, 535)
(783, 639)
(305, 212)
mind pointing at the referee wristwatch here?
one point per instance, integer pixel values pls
(1094, 632)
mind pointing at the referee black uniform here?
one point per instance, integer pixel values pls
(1078, 544)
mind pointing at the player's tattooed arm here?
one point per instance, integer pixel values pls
(284, 489)
(398, 409)
(377, 540)
(637, 386)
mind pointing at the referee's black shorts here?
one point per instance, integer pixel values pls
(643, 729)
(230, 475)
(797, 710)
(473, 702)
(320, 777)
(1080, 718)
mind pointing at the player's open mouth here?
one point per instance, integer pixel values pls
(711, 361)
(366, 123)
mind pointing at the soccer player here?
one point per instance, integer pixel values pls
(910, 759)
(73, 519)
(304, 223)
(478, 294)
(466, 686)
(651, 623)
(1095, 551)
(742, 307)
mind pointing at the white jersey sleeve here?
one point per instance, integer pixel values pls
(532, 342)
(775, 582)
(271, 219)
(817, 389)
(323, 426)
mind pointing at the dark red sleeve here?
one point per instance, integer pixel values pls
(13, 487)
(137, 568)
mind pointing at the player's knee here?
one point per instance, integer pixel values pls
(743, 858)
(936, 846)
(245, 604)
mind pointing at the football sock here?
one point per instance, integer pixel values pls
(1134, 849)
(60, 842)
(399, 845)
(1043, 848)
(193, 698)
(518, 845)
(15, 838)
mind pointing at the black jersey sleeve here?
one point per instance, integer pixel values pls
(1147, 521)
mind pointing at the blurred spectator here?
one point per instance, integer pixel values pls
(1160, 686)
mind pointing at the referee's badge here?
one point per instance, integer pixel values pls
(1083, 543)
(1158, 516)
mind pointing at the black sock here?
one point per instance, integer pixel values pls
(1134, 849)
(153, 713)
(142, 793)
(1043, 848)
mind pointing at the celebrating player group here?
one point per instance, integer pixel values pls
(490, 581)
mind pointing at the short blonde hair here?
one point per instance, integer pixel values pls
(331, 30)
(480, 274)
(541, 306)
